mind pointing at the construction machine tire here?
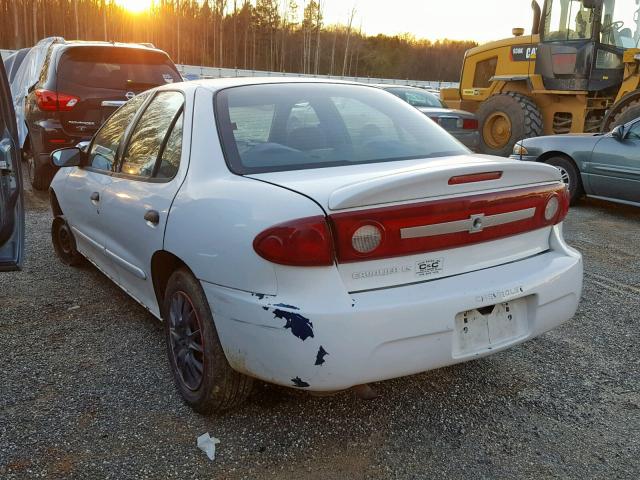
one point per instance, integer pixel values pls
(506, 119)
(629, 112)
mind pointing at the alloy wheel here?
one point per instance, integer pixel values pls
(565, 176)
(187, 345)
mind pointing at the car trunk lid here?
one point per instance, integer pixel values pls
(435, 218)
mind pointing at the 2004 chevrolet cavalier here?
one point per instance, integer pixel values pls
(312, 234)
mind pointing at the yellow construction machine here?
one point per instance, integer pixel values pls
(577, 72)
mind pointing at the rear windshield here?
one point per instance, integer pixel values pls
(417, 98)
(113, 68)
(288, 126)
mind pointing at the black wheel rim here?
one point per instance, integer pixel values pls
(187, 346)
(64, 240)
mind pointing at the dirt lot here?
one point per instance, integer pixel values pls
(86, 391)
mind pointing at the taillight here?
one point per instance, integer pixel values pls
(367, 238)
(470, 124)
(475, 177)
(305, 242)
(445, 224)
(49, 101)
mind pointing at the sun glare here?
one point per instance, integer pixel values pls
(135, 6)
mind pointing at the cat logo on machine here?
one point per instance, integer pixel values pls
(524, 53)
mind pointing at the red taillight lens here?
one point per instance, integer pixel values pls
(446, 224)
(49, 101)
(475, 177)
(300, 243)
(67, 102)
(470, 124)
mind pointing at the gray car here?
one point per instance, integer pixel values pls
(605, 166)
(462, 125)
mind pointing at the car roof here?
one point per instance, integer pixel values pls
(81, 43)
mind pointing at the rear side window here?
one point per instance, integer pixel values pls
(102, 155)
(149, 134)
(113, 68)
(293, 126)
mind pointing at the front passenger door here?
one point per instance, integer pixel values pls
(615, 166)
(136, 204)
(84, 187)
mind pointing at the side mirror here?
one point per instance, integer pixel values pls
(618, 133)
(67, 157)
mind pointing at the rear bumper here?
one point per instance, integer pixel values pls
(331, 344)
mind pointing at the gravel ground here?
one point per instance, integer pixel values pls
(86, 390)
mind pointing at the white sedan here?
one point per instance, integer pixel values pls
(316, 235)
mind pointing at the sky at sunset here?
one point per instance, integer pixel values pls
(480, 20)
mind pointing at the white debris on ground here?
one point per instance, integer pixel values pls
(207, 444)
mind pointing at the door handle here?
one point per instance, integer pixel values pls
(152, 217)
(95, 197)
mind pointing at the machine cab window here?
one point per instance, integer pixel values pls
(619, 24)
(568, 20)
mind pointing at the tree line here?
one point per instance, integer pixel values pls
(275, 35)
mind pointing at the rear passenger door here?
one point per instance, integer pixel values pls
(11, 201)
(136, 204)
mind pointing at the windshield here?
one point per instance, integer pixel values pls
(620, 23)
(416, 97)
(289, 126)
(568, 20)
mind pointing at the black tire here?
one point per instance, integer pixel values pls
(506, 119)
(624, 116)
(217, 387)
(64, 243)
(570, 175)
(40, 175)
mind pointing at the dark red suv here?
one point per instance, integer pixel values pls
(80, 85)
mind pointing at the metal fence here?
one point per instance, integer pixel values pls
(193, 72)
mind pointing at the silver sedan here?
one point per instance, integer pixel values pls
(462, 125)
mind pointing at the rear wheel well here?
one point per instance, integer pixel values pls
(55, 205)
(163, 265)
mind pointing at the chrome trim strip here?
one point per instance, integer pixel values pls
(614, 169)
(113, 103)
(474, 224)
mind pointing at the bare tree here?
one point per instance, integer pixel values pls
(346, 49)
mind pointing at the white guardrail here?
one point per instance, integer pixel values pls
(193, 72)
